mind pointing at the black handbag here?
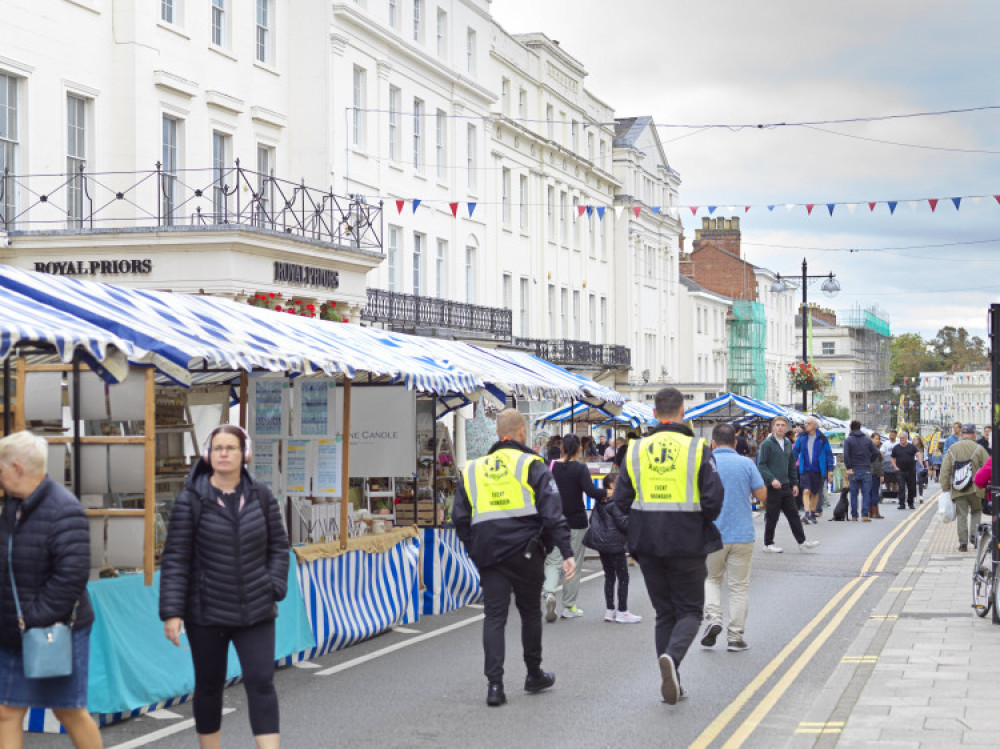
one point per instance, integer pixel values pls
(47, 652)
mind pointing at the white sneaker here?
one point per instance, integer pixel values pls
(627, 617)
(571, 612)
(773, 549)
(550, 608)
(808, 545)
(609, 615)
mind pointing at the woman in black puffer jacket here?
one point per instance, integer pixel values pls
(48, 537)
(224, 569)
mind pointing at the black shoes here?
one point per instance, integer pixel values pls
(963, 547)
(495, 696)
(711, 633)
(537, 682)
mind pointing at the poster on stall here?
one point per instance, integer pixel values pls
(298, 466)
(328, 467)
(268, 406)
(383, 430)
(315, 409)
(264, 464)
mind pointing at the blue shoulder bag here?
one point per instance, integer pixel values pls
(47, 652)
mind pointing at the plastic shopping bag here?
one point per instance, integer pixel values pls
(946, 508)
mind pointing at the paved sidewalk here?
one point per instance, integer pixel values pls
(920, 672)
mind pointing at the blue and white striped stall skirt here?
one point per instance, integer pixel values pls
(451, 579)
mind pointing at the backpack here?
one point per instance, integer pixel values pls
(961, 478)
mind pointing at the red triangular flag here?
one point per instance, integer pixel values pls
(580, 209)
(933, 202)
(454, 209)
(694, 208)
(871, 205)
(399, 205)
(997, 198)
(746, 209)
(636, 209)
(809, 208)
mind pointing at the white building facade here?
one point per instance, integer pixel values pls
(947, 397)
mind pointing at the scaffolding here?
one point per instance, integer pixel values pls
(870, 338)
(747, 341)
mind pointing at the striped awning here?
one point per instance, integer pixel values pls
(24, 321)
(735, 405)
(633, 413)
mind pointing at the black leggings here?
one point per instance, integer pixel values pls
(255, 648)
(615, 565)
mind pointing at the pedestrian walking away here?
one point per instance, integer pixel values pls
(45, 542)
(607, 536)
(224, 569)
(815, 464)
(905, 459)
(573, 480)
(740, 479)
(508, 514)
(859, 452)
(959, 470)
(670, 492)
(776, 463)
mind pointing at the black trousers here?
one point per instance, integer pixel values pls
(255, 648)
(524, 578)
(615, 566)
(907, 487)
(676, 587)
(780, 501)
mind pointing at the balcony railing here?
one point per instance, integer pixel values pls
(578, 353)
(186, 197)
(411, 312)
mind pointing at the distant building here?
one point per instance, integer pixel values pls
(947, 397)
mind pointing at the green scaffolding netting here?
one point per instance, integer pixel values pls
(747, 341)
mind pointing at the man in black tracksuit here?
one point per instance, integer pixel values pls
(508, 513)
(671, 492)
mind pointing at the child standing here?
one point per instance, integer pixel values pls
(606, 536)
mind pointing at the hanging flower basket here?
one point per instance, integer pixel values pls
(805, 376)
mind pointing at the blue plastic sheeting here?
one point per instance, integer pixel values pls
(451, 579)
(132, 665)
(358, 594)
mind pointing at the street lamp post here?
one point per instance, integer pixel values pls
(830, 286)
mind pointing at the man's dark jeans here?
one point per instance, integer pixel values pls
(781, 501)
(860, 479)
(524, 577)
(907, 488)
(676, 587)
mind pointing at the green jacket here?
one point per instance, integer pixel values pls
(964, 450)
(775, 463)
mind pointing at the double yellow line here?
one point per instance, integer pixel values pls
(852, 591)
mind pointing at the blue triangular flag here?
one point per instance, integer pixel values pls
(892, 206)
(770, 208)
(590, 211)
(416, 204)
(830, 206)
(656, 210)
(957, 202)
(711, 209)
(600, 212)
(472, 207)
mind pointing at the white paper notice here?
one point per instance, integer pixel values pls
(265, 464)
(43, 396)
(298, 460)
(269, 406)
(315, 408)
(328, 467)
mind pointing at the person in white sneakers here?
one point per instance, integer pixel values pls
(740, 479)
(776, 462)
(606, 536)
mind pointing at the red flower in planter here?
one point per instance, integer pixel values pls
(277, 308)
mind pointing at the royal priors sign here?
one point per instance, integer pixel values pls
(306, 275)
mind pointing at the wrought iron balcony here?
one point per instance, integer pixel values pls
(578, 353)
(409, 312)
(96, 201)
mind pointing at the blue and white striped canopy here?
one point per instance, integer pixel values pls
(23, 320)
(735, 403)
(633, 413)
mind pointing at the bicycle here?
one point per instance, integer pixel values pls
(984, 576)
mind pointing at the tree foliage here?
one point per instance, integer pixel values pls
(830, 407)
(952, 349)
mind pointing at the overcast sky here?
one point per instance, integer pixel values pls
(702, 62)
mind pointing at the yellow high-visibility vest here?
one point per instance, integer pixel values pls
(497, 485)
(664, 470)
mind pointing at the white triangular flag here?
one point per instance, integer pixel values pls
(851, 207)
(618, 211)
(789, 207)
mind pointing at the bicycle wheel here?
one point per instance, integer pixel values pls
(982, 577)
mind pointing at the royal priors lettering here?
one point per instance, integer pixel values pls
(95, 267)
(306, 275)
